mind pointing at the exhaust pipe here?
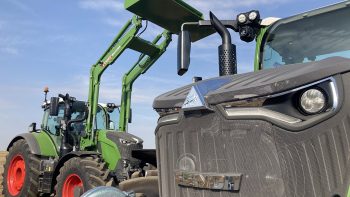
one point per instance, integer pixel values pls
(227, 51)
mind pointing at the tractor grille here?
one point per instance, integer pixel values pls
(126, 143)
(273, 162)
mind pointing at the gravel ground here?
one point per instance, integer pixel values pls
(2, 161)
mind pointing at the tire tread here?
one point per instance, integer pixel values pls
(34, 162)
(95, 168)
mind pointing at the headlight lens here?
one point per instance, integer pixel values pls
(253, 15)
(313, 101)
(242, 18)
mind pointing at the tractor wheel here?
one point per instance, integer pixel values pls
(81, 174)
(20, 171)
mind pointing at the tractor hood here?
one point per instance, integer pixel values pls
(254, 84)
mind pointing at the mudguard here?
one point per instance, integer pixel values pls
(40, 143)
(31, 141)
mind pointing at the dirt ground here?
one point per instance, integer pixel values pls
(2, 161)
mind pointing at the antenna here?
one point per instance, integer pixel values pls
(46, 90)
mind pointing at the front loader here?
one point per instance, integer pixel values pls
(81, 145)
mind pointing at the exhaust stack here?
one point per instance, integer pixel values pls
(227, 51)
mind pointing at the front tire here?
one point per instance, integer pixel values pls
(20, 171)
(80, 174)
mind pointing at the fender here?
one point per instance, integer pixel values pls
(31, 141)
(40, 143)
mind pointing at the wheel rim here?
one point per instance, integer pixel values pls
(72, 182)
(16, 175)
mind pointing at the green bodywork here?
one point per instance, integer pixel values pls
(168, 14)
(47, 146)
(109, 150)
(259, 41)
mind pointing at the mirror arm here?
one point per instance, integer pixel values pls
(188, 24)
(232, 24)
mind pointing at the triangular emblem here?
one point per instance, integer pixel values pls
(193, 100)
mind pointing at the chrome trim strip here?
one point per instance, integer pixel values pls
(248, 112)
(302, 87)
(335, 95)
(260, 112)
(168, 118)
(333, 87)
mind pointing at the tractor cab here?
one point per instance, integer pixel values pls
(107, 118)
(51, 123)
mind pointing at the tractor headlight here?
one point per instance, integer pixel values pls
(253, 15)
(242, 18)
(313, 101)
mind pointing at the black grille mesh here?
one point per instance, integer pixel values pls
(274, 162)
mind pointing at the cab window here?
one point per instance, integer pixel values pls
(113, 117)
(52, 123)
(100, 119)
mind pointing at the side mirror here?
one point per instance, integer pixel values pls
(32, 127)
(183, 52)
(54, 106)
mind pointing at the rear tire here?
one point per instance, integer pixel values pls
(82, 173)
(21, 173)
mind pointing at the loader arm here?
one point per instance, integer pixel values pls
(127, 38)
(140, 67)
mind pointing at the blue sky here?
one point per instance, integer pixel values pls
(54, 43)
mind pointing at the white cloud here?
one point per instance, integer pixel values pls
(13, 40)
(114, 22)
(22, 6)
(9, 50)
(102, 5)
(62, 38)
(110, 89)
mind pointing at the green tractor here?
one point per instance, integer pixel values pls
(283, 130)
(81, 145)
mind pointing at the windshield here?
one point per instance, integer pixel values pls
(308, 39)
(113, 119)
